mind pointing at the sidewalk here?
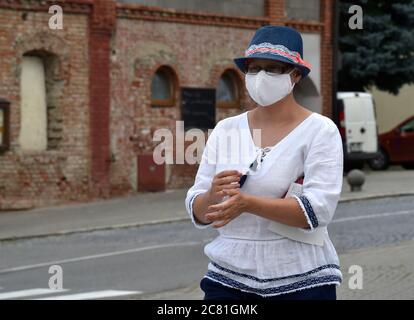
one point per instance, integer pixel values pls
(161, 207)
(383, 278)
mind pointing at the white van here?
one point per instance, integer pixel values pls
(356, 120)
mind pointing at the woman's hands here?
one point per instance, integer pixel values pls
(207, 209)
(229, 209)
(224, 180)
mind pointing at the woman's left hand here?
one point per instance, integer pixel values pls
(228, 209)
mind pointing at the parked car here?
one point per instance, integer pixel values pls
(396, 147)
(358, 127)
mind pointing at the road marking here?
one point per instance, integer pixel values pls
(102, 255)
(183, 244)
(371, 216)
(27, 293)
(92, 295)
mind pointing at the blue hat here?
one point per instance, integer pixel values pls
(276, 43)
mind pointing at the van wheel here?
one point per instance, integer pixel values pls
(408, 166)
(381, 162)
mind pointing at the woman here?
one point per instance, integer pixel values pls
(271, 245)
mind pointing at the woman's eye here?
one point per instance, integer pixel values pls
(254, 70)
(274, 70)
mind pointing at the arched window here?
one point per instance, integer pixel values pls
(228, 92)
(33, 119)
(163, 88)
(41, 120)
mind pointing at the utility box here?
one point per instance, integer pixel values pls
(151, 176)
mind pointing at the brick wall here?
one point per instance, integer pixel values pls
(101, 25)
(326, 56)
(198, 55)
(28, 178)
(275, 10)
(108, 54)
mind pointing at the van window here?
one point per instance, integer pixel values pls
(359, 109)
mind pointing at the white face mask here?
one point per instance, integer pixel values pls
(267, 89)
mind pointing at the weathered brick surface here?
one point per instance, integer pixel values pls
(275, 10)
(108, 55)
(31, 179)
(102, 23)
(197, 55)
(326, 57)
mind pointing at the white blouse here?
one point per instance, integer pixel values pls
(246, 255)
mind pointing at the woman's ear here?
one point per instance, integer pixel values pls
(296, 76)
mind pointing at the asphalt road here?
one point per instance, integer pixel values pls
(126, 263)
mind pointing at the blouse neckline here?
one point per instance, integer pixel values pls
(297, 128)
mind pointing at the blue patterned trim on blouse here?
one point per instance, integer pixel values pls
(191, 202)
(193, 217)
(309, 210)
(327, 266)
(275, 290)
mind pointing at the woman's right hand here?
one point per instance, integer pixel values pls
(227, 179)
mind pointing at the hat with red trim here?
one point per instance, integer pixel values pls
(276, 43)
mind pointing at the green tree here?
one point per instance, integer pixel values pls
(380, 54)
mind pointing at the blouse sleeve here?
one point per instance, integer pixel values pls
(323, 171)
(205, 173)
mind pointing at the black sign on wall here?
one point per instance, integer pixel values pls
(198, 108)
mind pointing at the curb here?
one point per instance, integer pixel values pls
(378, 196)
(164, 221)
(92, 229)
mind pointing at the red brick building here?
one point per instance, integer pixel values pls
(112, 76)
